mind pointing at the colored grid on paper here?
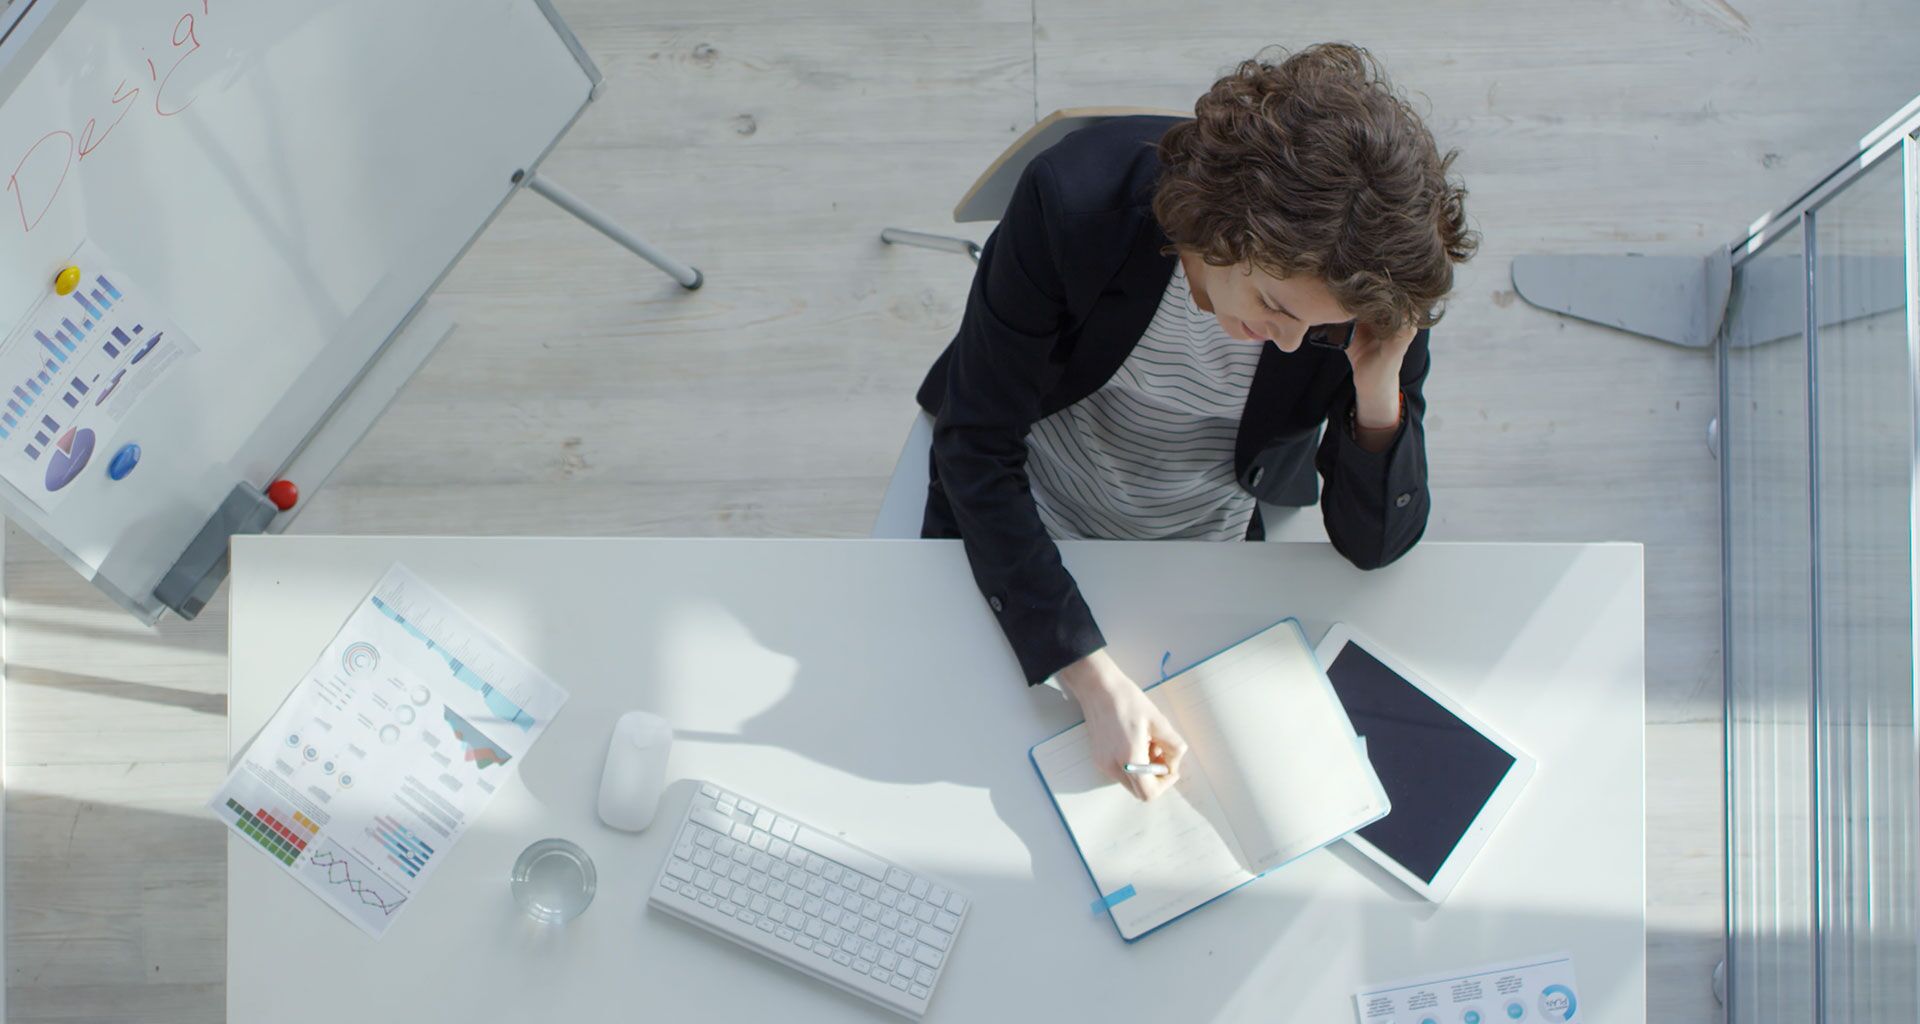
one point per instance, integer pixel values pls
(275, 837)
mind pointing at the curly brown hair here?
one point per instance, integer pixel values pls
(1314, 164)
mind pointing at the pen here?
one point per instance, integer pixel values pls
(1144, 769)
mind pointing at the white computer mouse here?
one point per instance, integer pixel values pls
(636, 771)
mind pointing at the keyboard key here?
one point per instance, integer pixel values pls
(750, 807)
(745, 917)
(869, 951)
(925, 914)
(724, 847)
(702, 858)
(882, 974)
(861, 966)
(741, 894)
(816, 887)
(832, 915)
(740, 874)
(777, 891)
(705, 879)
(835, 895)
(758, 904)
(815, 906)
(707, 790)
(786, 934)
(935, 938)
(938, 897)
(889, 960)
(741, 831)
(918, 889)
(759, 840)
(814, 864)
(803, 942)
(779, 848)
(833, 849)
(843, 959)
(909, 927)
(758, 883)
(708, 901)
(742, 853)
(928, 955)
(723, 888)
(784, 829)
(794, 896)
(761, 862)
(920, 991)
(704, 838)
(821, 949)
(712, 819)
(763, 820)
(956, 903)
(925, 974)
(890, 919)
(889, 898)
(850, 942)
(899, 879)
(905, 946)
(815, 929)
(871, 911)
(796, 856)
(764, 925)
(869, 930)
(681, 869)
(887, 938)
(669, 885)
(945, 922)
(869, 888)
(725, 803)
(833, 936)
(781, 871)
(853, 904)
(833, 873)
(898, 982)
(778, 912)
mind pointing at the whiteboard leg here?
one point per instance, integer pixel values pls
(688, 277)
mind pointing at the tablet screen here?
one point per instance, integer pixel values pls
(1438, 771)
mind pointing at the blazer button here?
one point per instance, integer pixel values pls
(1402, 501)
(993, 603)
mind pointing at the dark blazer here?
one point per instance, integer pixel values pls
(1066, 287)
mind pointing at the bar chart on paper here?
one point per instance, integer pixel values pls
(72, 371)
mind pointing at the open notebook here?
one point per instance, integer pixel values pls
(1273, 771)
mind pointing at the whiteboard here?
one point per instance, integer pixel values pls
(286, 179)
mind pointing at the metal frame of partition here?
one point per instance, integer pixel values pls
(1899, 133)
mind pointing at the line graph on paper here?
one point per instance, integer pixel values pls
(371, 898)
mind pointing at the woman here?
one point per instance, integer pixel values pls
(1166, 316)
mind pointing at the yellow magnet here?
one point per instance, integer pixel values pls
(67, 280)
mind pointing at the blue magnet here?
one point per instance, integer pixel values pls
(123, 461)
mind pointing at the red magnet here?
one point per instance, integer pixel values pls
(283, 494)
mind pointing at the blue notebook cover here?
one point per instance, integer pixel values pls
(1107, 901)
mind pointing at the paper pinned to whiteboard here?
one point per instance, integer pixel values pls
(72, 371)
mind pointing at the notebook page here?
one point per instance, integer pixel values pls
(1176, 850)
(1265, 724)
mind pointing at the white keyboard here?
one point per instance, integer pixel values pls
(810, 901)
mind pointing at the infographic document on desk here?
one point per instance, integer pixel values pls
(72, 371)
(387, 750)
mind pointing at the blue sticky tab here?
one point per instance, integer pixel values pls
(1164, 658)
(1106, 903)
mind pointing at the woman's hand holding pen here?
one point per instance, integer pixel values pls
(1123, 726)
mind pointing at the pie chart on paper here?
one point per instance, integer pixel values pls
(70, 455)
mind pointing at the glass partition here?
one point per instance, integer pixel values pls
(1818, 433)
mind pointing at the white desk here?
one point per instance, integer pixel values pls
(864, 686)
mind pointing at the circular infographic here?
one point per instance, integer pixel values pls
(420, 695)
(69, 457)
(346, 780)
(313, 753)
(389, 734)
(327, 767)
(404, 713)
(359, 658)
(293, 739)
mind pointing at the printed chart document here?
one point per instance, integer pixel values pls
(1541, 988)
(1274, 771)
(72, 371)
(387, 750)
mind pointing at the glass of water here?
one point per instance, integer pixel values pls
(553, 881)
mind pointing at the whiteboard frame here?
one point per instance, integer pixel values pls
(27, 30)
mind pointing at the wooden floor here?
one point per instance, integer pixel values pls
(768, 143)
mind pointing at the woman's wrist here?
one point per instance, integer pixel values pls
(1377, 407)
(1088, 676)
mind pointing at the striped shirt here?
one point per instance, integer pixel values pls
(1149, 456)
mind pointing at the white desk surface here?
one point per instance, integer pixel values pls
(863, 686)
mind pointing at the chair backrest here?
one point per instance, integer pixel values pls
(987, 199)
